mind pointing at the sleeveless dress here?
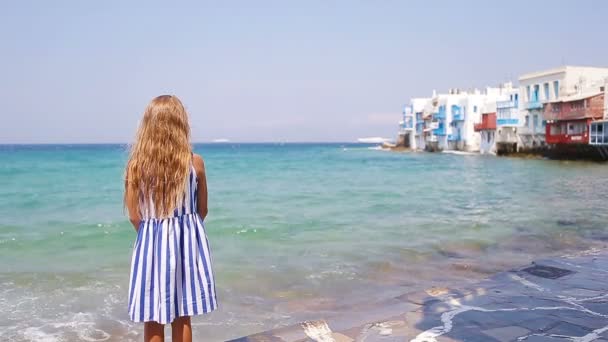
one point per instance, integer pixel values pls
(171, 273)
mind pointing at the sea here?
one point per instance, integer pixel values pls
(297, 231)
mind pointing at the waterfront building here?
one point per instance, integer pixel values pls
(411, 132)
(508, 120)
(550, 86)
(599, 129)
(487, 128)
(453, 117)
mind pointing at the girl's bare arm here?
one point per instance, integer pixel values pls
(199, 166)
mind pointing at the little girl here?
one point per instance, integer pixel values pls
(166, 197)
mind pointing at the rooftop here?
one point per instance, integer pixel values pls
(558, 70)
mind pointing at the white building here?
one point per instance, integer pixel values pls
(412, 125)
(487, 128)
(508, 120)
(542, 87)
(455, 116)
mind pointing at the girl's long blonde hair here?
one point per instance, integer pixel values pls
(161, 156)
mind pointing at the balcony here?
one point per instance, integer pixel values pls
(440, 130)
(457, 113)
(591, 107)
(488, 123)
(534, 130)
(454, 137)
(534, 104)
(407, 124)
(505, 104)
(507, 122)
(440, 114)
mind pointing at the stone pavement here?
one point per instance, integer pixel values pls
(561, 299)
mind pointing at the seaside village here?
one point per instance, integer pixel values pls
(560, 113)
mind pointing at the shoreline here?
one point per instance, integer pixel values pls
(532, 155)
(565, 296)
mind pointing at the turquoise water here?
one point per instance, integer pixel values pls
(297, 231)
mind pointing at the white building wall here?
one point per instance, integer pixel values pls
(473, 106)
(578, 79)
(508, 133)
(419, 105)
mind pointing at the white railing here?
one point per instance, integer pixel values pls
(505, 104)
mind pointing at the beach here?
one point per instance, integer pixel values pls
(297, 231)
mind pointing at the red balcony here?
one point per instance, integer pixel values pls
(488, 122)
(576, 108)
(568, 132)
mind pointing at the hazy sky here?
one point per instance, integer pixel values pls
(83, 71)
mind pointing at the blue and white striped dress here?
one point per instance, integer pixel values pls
(171, 273)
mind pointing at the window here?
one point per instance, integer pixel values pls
(535, 121)
(555, 107)
(527, 120)
(528, 93)
(516, 100)
(556, 88)
(474, 109)
(488, 137)
(577, 105)
(547, 95)
(535, 95)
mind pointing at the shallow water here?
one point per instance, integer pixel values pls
(297, 231)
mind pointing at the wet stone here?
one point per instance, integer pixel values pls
(569, 329)
(581, 293)
(469, 335)
(580, 318)
(479, 320)
(418, 298)
(499, 319)
(510, 308)
(507, 333)
(599, 307)
(341, 338)
(263, 337)
(585, 283)
(539, 325)
(544, 339)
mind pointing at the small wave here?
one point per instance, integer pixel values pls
(37, 334)
(461, 153)
(244, 231)
(84, 326)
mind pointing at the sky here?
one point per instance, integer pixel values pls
(256, 71)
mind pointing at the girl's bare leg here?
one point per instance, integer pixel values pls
(154, 332)
(181, 331)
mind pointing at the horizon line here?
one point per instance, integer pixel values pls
(193, 143)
